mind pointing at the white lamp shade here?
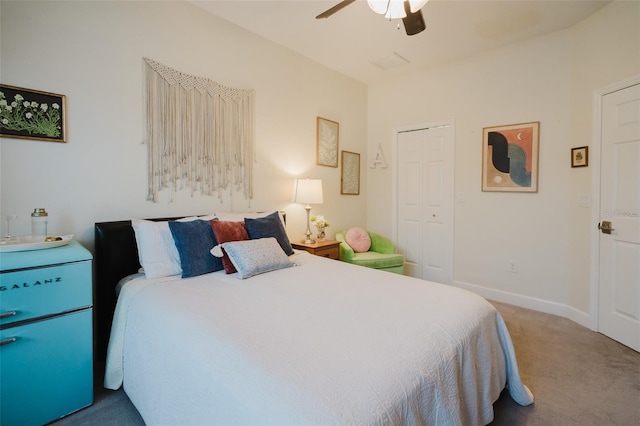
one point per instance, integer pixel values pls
(308, 191)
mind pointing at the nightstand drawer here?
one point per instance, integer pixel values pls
(327, 248)
(330, 252)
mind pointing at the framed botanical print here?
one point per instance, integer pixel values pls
(350, 177)
(32, 114)
(510, 158)
(327, 138)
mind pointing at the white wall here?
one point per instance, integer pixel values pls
(548, 79)
(502, 87)
(92, 52)
(605, 49)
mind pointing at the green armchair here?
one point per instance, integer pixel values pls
(381, 255)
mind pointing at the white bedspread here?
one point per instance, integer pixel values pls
(322, 343)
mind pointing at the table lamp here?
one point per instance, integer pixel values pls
(308, 191)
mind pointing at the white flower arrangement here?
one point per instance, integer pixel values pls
(320, 222)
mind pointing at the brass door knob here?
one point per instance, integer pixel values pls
(605, 227)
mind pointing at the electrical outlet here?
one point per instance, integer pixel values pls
(513, 267)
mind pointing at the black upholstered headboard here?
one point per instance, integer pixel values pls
(116, 256)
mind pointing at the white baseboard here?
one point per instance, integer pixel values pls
(529, 302)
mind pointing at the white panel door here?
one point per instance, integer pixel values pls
(425, 202)
(619, 291)
(410, 190)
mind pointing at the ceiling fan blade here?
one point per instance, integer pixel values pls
(334, 9)
(413, 22)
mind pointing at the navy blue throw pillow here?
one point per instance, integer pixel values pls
(269, 226)
(194, 240)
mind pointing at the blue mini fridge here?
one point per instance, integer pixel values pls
(46, 334)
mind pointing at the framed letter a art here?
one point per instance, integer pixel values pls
(510, 158)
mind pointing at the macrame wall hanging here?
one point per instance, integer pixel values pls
(199, 134)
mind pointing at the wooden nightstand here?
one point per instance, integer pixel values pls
(326, 248)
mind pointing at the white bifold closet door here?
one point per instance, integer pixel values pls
(424, 194)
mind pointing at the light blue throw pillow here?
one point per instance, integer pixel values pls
(253, 257)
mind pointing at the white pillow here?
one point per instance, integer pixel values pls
(253, 257)
(192, 218)
(239, 217)
(156, 249)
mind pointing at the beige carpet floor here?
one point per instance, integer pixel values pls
(578, 377)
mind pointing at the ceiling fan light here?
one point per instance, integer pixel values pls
(416, 5)
(396, 10)
(379, 6)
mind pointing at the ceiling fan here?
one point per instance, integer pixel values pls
(407, 10)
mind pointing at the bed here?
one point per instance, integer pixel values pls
(316, 341)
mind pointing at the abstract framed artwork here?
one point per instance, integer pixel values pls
(350, 177)
(580, 156)
(510, 157)
(327, 138)
(32, 114)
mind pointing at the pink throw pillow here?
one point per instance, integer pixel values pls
(358, 239)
